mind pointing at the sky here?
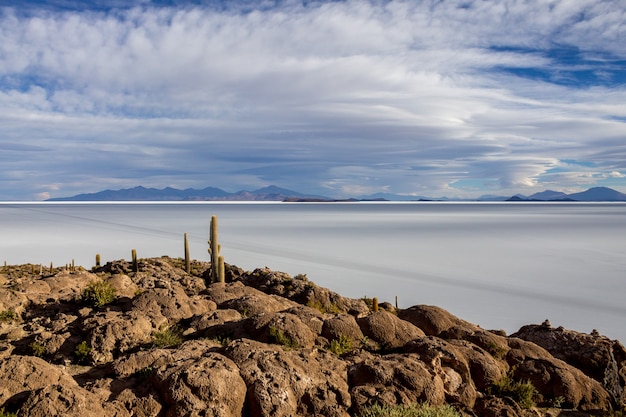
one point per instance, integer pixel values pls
(457, 98)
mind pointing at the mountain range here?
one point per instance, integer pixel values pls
(273, 193)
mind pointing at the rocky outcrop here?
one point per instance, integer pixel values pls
(596, 356)
(265, 343)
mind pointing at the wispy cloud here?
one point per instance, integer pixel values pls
(332, 97)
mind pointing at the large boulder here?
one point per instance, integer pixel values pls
(388, 330)
(296, 382)
(112, 333)
(431, 320)
(303, 291)
(171, 303)
(63, 400)
(393, 379)
(596, 356)
(209, 385)
(450, 363)
(554, 378)
(19, 375)
(342, 325)
(246, 300)
(281, 328)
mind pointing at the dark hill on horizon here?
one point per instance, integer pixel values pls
(592, 194)
(270, 193)
(274, 193)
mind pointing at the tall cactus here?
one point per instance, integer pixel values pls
(134, 256)
(217, 272)
(187, 260)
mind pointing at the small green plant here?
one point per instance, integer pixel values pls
(4, 413)
(82, 351)
(223, 339)
(37, 349)
(557, 402)
(495, 350)
(340, 346)
(330, 308)
(7, 316)
(168, 337)
(301, 277)
(99, 293)
(412, 410)
(281, 338)
(522, 392)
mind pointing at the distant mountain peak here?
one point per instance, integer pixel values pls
(141, 193)
(592, 194)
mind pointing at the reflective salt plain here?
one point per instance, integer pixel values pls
(499, 265)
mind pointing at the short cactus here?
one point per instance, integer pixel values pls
(135, 265)
(217, 271)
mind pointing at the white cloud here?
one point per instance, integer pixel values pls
(353, 94)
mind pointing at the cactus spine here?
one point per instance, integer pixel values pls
(217, 271)
(187, 260)
(134, 255)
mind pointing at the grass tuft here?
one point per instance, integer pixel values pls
(412, 410)
(99, 293)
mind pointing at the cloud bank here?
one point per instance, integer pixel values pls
(338, 98)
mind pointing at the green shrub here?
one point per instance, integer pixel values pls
(7, 316)
(281, 338)
(330, 308)
(412, 410)
(99, 293)
(6, 413)
(496, 350)
(37, 349)
(340, 346)
(168, 337)
(521, 392)
(82, 351)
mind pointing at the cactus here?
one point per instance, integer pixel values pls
(134, 255)
(374, 304)
(221, 276)
(97, 260)
(217, 272)
(187, 260)
(51, 268)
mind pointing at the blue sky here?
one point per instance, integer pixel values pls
(341, 98)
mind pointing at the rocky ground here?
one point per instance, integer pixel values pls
(268, 344)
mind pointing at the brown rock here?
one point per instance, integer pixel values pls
(62, 400)
(342, 325)
(280, 328)
(388, 330)
(393, 379)
(111, 333)
(21, 374)
(303, 292)
(291, 382)
(209, 385)
(171, 303)
(450, 363)
(248, 301)
(431, 320)
(553, 378)
(596, 356)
